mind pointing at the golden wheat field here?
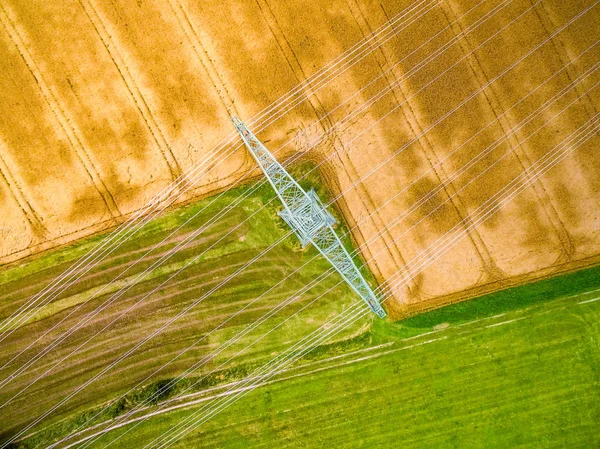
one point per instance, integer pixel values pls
(105, 103)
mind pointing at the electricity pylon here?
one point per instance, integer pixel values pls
(308, 218)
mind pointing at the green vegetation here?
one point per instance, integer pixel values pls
(217, 253)
(520, 368)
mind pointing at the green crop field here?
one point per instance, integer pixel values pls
(217, 253)
(519, 368)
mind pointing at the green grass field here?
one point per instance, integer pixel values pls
(519, 368)
(217, 253)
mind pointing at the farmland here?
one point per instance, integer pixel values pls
(516, 368)
(105, 104)
(98, 116)
(243, 233)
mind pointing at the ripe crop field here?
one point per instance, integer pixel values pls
(213, 264)
(98, 115)
(515, 368)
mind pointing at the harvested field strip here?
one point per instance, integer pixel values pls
(526, 355)
(236, 250)
(161, 272)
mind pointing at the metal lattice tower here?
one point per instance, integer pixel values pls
(308, 218)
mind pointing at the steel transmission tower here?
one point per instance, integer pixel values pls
(308, 218)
